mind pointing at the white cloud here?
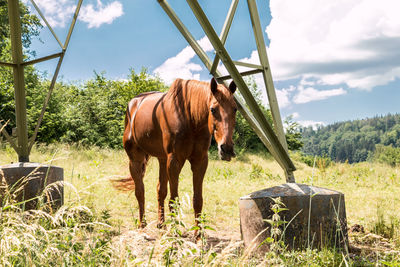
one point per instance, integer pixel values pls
(352, 42)
(180, 66)
(96, 16)
(301, 95)
(309, 94)
(284, 95)
(295, 115)
(59, 13)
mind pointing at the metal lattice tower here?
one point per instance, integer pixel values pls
(274, 140)
(24, 144)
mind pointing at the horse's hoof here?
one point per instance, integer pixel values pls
(197, 235)
(142, 225)
(161, 225)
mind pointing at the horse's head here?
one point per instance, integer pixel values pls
(222, 117)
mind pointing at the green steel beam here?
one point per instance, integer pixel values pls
(55, 75)
(7, 64)
(245, 73)
(71, 27)
(229, 65)
(42, 59)
(185, 33)
(46, 101)
(269, 84)
(47, 24)
(248, 65)
(19, 81)
(207, 62)
(24, 146)
(225, 31)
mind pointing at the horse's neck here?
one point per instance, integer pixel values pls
(191, 98)
(197, 104)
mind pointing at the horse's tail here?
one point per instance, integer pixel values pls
(127, 117)
(123, 184)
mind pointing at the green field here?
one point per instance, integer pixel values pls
(371, 193)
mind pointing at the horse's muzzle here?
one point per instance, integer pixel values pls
(226, 152)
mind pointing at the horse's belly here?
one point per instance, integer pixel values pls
(151, 143)
(146, 131)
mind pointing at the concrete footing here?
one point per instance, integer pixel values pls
(322, 225)
(32, 178)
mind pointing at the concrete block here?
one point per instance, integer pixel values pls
(34, 177)
(327, 217)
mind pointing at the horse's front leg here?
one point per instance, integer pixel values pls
(174, 167)
(199, 167)
(162, 191)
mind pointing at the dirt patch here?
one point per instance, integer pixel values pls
(152, 243)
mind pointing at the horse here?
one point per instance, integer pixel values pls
(174, 127)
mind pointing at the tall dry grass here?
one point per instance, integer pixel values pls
(97, 224)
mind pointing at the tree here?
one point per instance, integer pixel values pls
(293, 134)
(353, 141)
(94, 114)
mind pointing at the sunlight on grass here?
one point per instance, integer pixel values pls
(368, 187)
(371, 190)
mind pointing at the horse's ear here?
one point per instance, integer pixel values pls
(214, 86)
(232, 87)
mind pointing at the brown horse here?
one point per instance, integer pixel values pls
(174, 127)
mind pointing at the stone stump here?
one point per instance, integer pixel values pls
(322, 226)
(32, 178)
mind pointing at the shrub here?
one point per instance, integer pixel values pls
(387, 154)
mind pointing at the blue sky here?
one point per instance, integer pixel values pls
(331, 60)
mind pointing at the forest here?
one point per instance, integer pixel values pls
(356, 141)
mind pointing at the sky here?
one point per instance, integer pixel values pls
(331, 61)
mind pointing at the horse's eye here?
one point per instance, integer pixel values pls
(213, 111)
(234, 110)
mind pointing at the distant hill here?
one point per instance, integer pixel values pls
(352, 140)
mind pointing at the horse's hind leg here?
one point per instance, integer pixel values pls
(137, 167)
(162, 191)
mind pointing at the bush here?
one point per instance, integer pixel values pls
(89, 114)
(386, 154)
(320, 162)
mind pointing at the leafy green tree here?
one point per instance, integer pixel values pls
(387, 154)
(293, 134)
(94, 115)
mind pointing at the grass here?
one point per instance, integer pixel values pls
(371, 194)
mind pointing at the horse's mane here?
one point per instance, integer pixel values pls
(193, 96)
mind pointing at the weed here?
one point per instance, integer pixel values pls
(256, 171)
(275, 239)
(382, 227)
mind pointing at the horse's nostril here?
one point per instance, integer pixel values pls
(223, 148)
(227, 149)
